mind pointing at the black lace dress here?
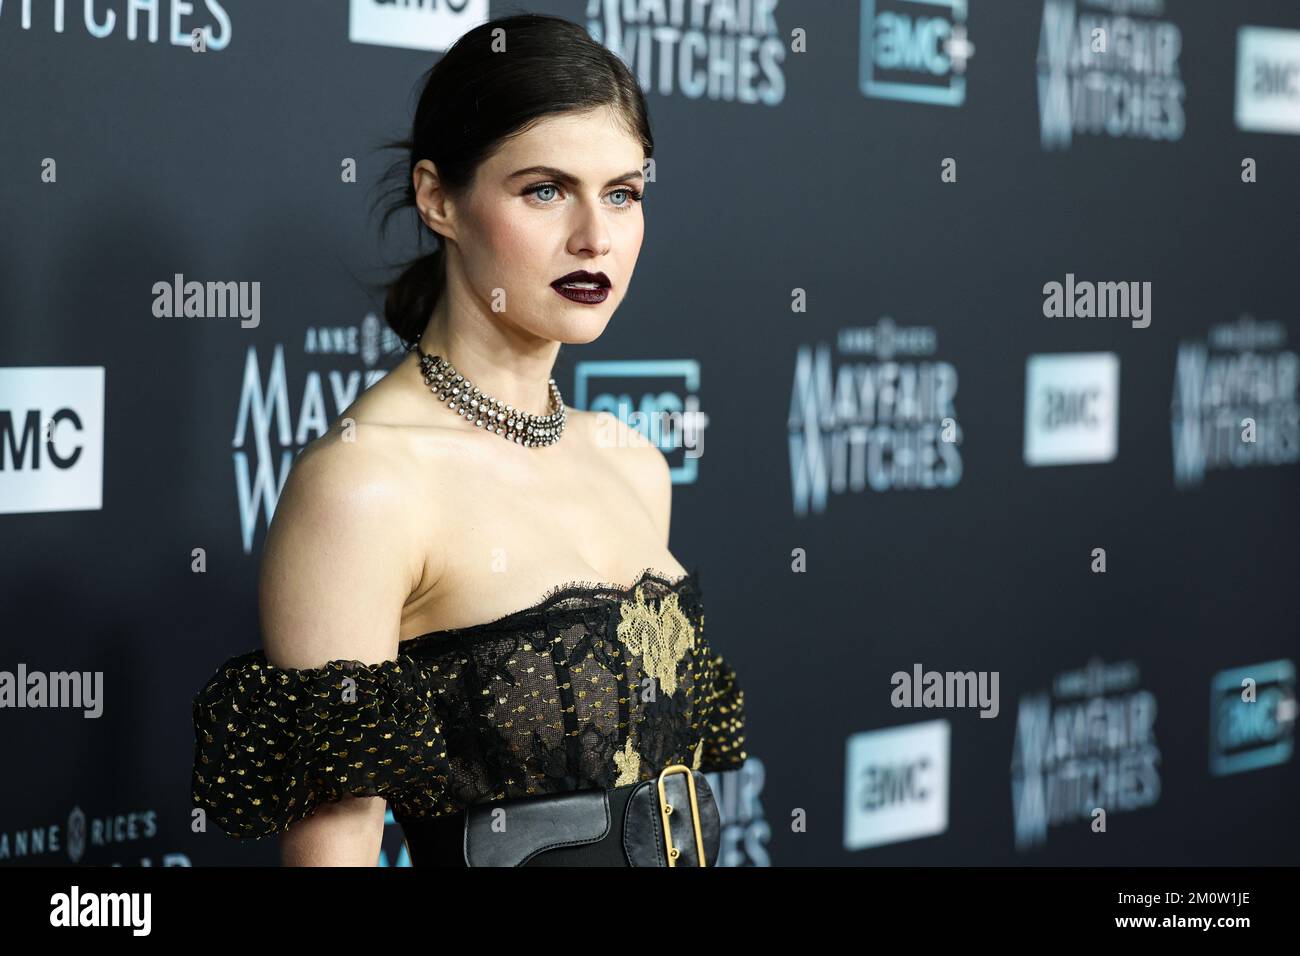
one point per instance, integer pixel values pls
(595, 686)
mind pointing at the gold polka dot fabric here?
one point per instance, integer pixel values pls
(272, 744)
(595, 686)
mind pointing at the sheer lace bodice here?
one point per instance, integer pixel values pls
(594, 686)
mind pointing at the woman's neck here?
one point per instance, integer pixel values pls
(498, 366)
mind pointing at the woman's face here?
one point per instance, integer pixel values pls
(521, 227)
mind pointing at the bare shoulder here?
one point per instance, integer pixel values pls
(338, 564)
(639, 460)
(624, 446)
(356, 467)
(380, 448)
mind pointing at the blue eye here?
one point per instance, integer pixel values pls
(634, 196)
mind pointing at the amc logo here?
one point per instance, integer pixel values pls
(659, 398)
(51, 439)
(914, 50)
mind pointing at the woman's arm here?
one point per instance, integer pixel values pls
(336, 572)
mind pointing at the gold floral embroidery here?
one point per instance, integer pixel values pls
(661, 637)
(699, 752)
(629, 765)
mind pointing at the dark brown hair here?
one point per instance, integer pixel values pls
(475, 97)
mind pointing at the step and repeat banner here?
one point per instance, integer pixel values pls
(974, 324)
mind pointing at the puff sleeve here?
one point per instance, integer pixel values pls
(724, 718)
(273, 744)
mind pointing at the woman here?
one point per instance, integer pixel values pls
(467, 599)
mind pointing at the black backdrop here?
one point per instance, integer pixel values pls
(783, 179)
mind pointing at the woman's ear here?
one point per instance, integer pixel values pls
(432, 202)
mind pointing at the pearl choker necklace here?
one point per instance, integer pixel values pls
(468, 401)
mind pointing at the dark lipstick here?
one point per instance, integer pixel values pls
(583, 287)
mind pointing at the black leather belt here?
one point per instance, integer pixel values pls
(672, 820)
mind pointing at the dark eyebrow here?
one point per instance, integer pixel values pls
(567, 178)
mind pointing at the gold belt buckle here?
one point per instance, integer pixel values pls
(666, 809)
